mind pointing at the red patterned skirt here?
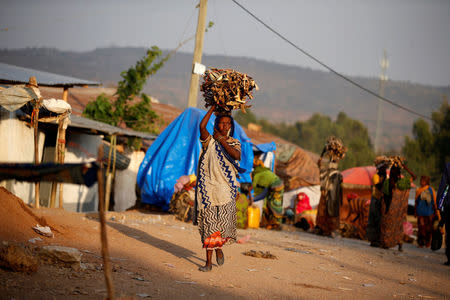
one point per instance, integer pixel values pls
(392, 221)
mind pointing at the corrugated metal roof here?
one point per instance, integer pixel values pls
(85, 123)
(17, 75)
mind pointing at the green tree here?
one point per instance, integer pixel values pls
(418, 149)
(429, 148)
(356, 138)
(102, 109)
(130, 106)
(441, 132)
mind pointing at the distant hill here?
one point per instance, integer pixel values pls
(287, 93)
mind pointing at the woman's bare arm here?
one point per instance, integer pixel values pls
(234, 153)
(203, 132)
(410, 172)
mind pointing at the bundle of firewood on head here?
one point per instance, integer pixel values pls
(382, 161)
(388, 162)
(334, 148)
(397, 161)
(227, 89)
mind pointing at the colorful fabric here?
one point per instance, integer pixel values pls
(241, 212)
(302, 203)
(425, 201)
(263, 178)
(266, 180)
(217, 177)
(273, 206)
(216, 193)
(358, 209)
(214, 241)
(217, 225)
(391, 228)
(327, 219)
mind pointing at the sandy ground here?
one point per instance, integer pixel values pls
(157, 256)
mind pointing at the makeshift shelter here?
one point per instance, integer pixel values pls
(83, 138)
(176, 152)
(358, 180)
(357, 191)
(14, 75)
(78, 145)
(299, 173)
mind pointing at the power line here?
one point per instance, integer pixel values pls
(328, 67)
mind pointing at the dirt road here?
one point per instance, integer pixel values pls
(157, 256)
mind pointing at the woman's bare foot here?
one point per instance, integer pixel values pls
(220, 258)
(205, 268)
(208, 266)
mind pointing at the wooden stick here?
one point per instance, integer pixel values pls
(65, 93)
(103, 237)
(36, 152)
(55, 184)
(109, 173)
(108, 176)
(32, 83)
(62, 154)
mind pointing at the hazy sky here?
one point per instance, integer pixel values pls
(348, 35)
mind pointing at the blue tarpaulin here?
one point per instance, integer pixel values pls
(175, 153)
(268, 147)
(268, 155)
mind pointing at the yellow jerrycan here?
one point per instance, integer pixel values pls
(253, 216)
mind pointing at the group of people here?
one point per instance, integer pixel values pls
(389, 201)
(217, 192)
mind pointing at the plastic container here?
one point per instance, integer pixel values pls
(253, 216)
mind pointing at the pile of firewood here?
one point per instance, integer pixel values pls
(335, 148)
(389, 161)
(227, 89)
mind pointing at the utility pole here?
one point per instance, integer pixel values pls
(201, 25)
(384, 63)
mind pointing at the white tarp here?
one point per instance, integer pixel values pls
(56, 106)
(16, 96)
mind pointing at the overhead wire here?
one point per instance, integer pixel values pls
(213, 5)
(186, 26)
(330, 68)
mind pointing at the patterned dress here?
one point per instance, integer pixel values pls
(392, 218)
(216, 193)
(327, 219)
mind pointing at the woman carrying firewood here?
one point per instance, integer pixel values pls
(327, 219)
(218, 167)
(217, 186)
